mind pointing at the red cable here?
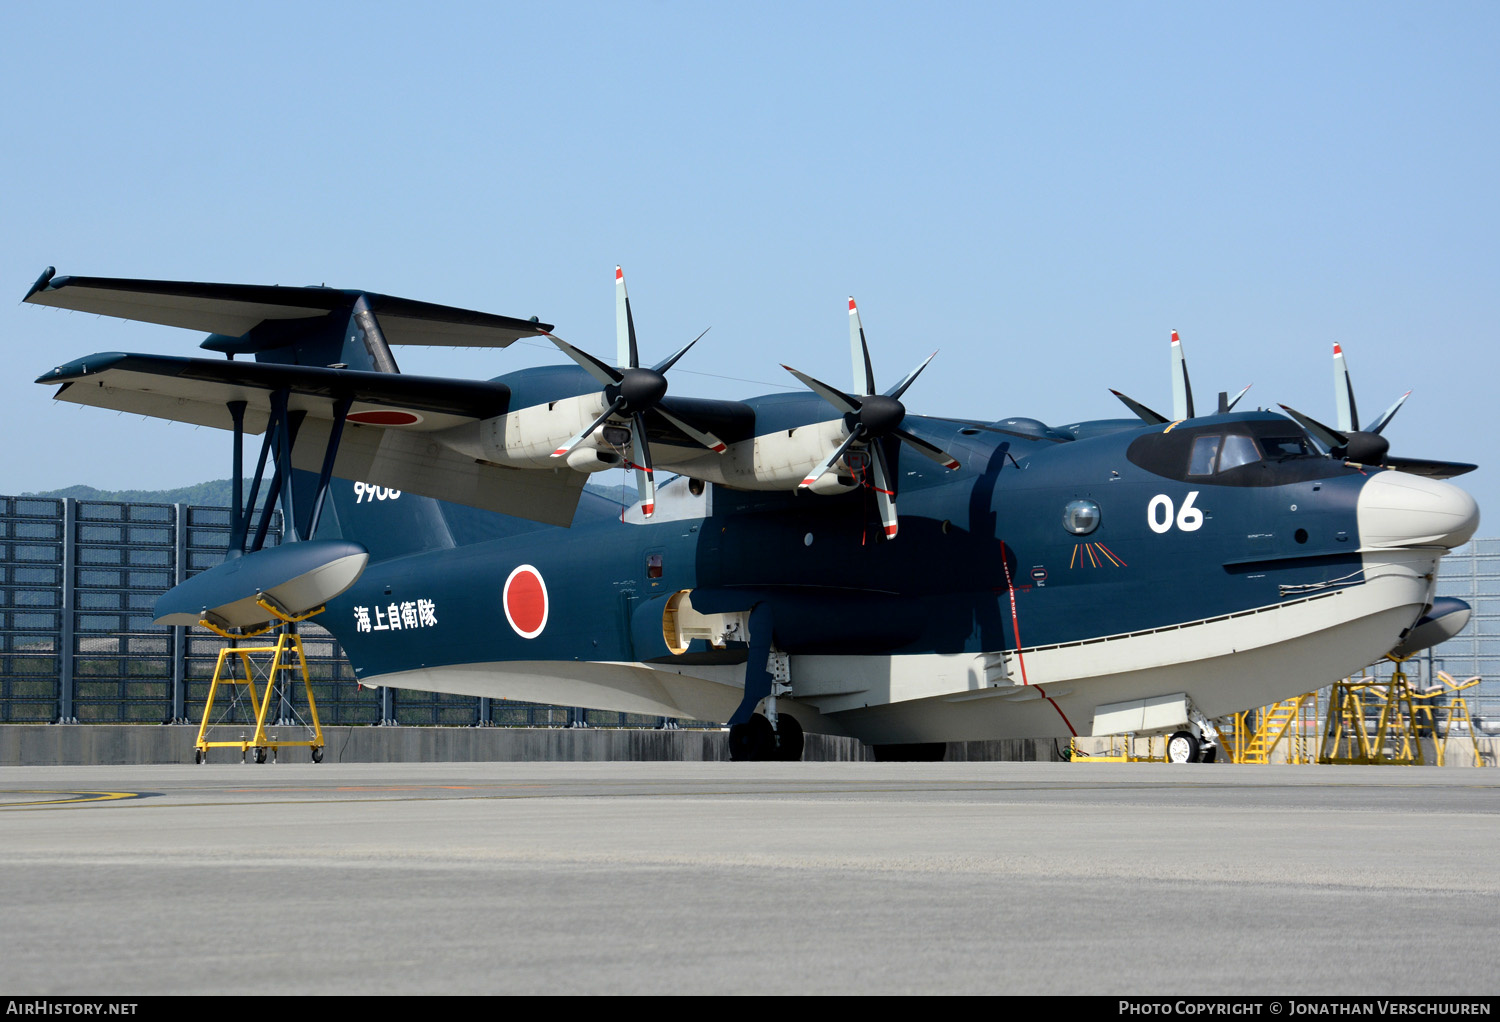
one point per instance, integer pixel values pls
(1015, 624)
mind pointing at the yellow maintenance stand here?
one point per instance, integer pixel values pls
(1122, 749)
(280, 663)
(1440, 720)
(1354, 702)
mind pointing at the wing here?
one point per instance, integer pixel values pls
(394, 433)
(233, 310)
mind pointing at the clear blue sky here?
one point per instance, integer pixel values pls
(1040, 191)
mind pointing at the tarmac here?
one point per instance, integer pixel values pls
(746, 878)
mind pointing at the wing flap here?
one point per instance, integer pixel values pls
(417, 463)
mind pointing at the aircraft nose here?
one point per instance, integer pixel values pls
(1397, 509)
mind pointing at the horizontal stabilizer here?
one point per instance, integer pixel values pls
(236, 309)
(296, 578)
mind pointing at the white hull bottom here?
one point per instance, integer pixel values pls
(1223, 665)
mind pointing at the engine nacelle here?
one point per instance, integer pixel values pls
(527, 437)
(776, 461)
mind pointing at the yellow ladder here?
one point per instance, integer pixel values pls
(1275, 721)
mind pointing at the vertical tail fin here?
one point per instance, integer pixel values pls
(388, 522)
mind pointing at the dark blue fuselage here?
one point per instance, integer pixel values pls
(982, 553)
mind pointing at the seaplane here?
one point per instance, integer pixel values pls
(1146, 575)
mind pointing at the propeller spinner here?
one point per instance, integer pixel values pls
(631, 392)
(870, 419)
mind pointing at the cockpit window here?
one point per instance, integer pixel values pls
(1259, 452)
(1213, 453)
(1238, 450)
(1205, 450)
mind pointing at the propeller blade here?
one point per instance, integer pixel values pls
(625, 349)
(843, 402)
(1182, 388)
(568, 447)
(1343, 393)
(921, 446)
(885, 496)
(708, 440)
(1146, 415)
(822, 470)
(911, 377)
(597, 368)
(859, 352)
(662, 367)
(1329, 438)
(1230, 406)
(645, 481)
(1389, 414)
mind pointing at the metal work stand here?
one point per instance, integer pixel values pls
(281, 662)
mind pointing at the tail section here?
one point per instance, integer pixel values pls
(388, 522)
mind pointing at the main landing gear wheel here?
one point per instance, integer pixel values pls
(753, 740)
(789, 740)
(1182, 747)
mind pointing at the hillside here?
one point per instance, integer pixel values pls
(219, 493)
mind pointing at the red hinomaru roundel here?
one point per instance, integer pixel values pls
(525, 601)
(383, 417)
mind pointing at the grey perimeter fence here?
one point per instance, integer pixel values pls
(79, 578)
(78, 581)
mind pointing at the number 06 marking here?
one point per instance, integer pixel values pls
(1159, 514)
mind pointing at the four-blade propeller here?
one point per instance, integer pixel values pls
(1367, 446)
(631, 392)
(1182, 394)
(870, 419)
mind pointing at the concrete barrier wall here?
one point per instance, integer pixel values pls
(87, 744)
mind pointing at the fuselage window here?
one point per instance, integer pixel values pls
(653, 565)
(1205, 450)
(1238, 450)
(1286, 446)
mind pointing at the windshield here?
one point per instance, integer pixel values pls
(1248, 453)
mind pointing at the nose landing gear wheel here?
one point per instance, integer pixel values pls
(1182, 747)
